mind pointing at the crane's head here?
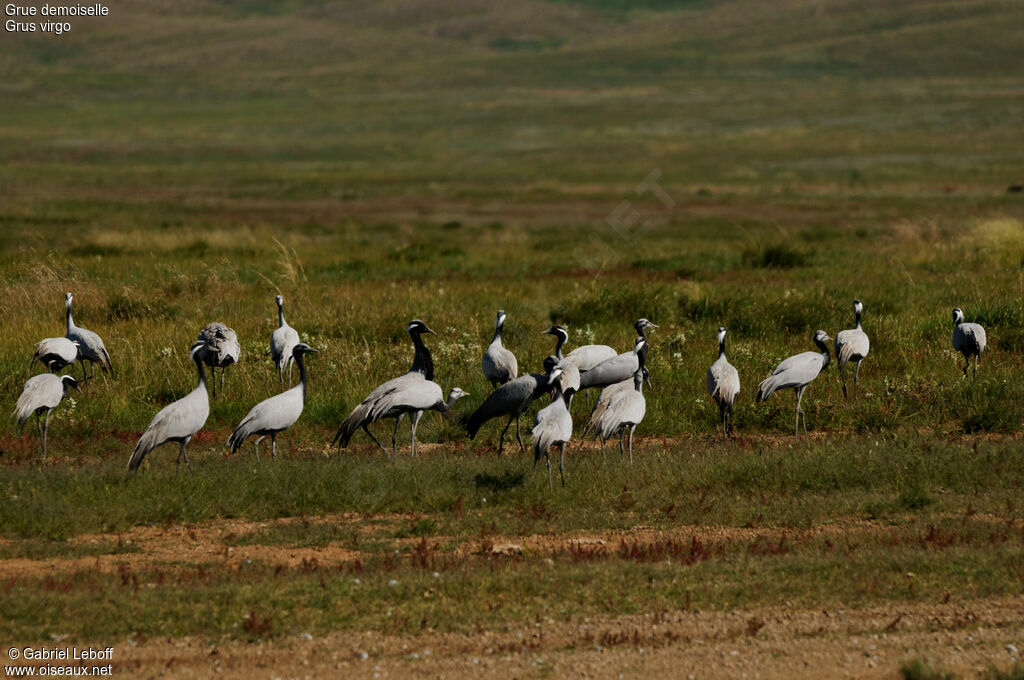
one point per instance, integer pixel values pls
(642, 324)
(67, 381)
(417, 327)
(550, 362)
(279, 300)
(499, 320)
(67, 300)
(303, 348)
(557, 331)
(202, 346)
(555, 376)
(647, 377)
(821, 339)
(958, 316)
(721, 334)
(457, 393)
(858, 307)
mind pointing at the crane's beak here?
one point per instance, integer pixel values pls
(647, 379)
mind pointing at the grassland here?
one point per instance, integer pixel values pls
(379, 163)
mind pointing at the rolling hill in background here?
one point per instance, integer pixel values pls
(463, 98)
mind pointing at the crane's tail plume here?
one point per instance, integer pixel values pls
(766, 389)
(146, 444)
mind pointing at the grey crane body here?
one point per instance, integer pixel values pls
(55, 353)
(275, 414)
(618, 368)
(552, 427)
(220, 350)
(367, 411)
(413, 400)
(852, 345)
(499, 364)
(621, 407)
(968, 339)
(570, 379)
(282, 341)
(90, 346)
(797, 372)
(512, 399)
(41, 393)
(179, 420)
(723, 383)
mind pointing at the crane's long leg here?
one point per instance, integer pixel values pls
(561, 465)
(622, 433)
(415, 423)
(223, 371)
(522, 448)
(967, 364)
(604, 453)
(84, 376)
(631, 444)
(856, 377)
(257, 446)
(501, 441)
(394, 437)
(183, 454)
(367, 431)
(46, 429)
(799, 395)
(842, 378)
(291, 365)
(273, 445)
(975, 366)
(547, 459)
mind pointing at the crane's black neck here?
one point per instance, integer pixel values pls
(301, 361)
(558, 344)
(858, 312)
(642, 352)
(825, 353)
(497, 334)
(199, 367)
(71, 322)
(721, 348)
(280, 315)
(422, 362)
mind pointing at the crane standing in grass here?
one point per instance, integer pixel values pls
(282, 341)
(217, 336)
(55, 353)
(968, 339)
(42, 392)
(367, 411)
(723, 383)
(852, 345)
(275, 414)
(798, 372)
(90, 345)
(499, 364)
(623, 410)
(553, 427)
(180, 420)
(512, 399)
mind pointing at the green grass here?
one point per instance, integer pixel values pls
(752, 165)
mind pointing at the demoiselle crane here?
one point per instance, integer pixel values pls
(41, 393)
(552, 427)
(852, 345)
(797, 372)
(90, 345)
(723, 383)
(968, 339)
(275, 414)
(366, 412)
(499, 363)
(282, 341)
(218, 336)
(55, 353)
(512, 399)
(179, 420)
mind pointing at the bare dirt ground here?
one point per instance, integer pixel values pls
(962, 636)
